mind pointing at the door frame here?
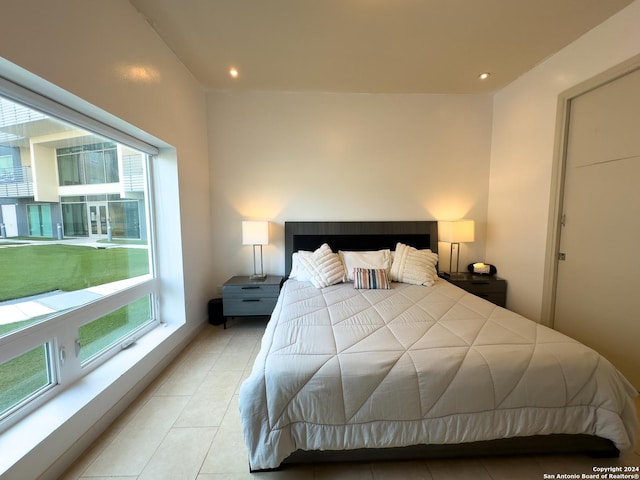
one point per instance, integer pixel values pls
(43, 227)
(558, 174)
(11, 210)
(98, 204)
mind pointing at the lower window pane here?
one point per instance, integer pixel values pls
(22, 377)
(106, 331)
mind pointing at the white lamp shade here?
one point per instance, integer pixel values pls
(255, 233)
(457, 231)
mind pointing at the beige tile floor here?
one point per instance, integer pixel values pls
(186, 425)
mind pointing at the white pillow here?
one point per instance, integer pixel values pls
(299, 271)
(417, 267)
(324, 266)
(377, 259)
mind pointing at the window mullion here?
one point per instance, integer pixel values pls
(17, 342)
(65, 359)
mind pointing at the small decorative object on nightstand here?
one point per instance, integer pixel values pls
(244, 297)
(490, 288)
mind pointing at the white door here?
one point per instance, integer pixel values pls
(598, 283)
(97, 212)
(10, 220)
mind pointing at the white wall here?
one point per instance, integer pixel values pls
(522, 153)
(323, 156)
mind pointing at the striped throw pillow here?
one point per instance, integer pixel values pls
(370, 278)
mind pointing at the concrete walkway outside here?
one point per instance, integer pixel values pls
(24, 309)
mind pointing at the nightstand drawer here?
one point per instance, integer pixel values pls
(493, 289)
(481, 286)
(233, 307)
(243, 296)
(250, 291)
(499, 298)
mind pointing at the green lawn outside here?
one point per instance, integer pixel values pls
(22, 376)
(103, 332)
(34, 269)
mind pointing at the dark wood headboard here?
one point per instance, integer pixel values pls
(357, 236)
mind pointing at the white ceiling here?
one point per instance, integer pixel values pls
(369, 46)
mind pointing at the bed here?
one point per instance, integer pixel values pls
(416, 368)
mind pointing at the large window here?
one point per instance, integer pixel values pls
(88, 164)
(112, 215)
(74, 216)
(78, 278)
(6, 164)
(40, 224)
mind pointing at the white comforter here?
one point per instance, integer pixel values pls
(341, 368)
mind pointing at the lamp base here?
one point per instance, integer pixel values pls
(258, 277)
(453, 275)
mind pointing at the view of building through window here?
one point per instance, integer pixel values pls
(74, 229)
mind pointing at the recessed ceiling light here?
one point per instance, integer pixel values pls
(484, 76)
(233, 72)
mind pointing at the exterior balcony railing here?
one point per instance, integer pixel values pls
(16, 182)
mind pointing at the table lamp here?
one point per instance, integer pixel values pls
(256, 234)
(455, 232)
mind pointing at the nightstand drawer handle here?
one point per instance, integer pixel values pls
(251, 300)
(250, 288)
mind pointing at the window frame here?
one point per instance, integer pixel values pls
(60, 332)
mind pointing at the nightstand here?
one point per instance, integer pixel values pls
(244, 297)
(489, 287)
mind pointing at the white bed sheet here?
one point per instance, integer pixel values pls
(341, 369)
